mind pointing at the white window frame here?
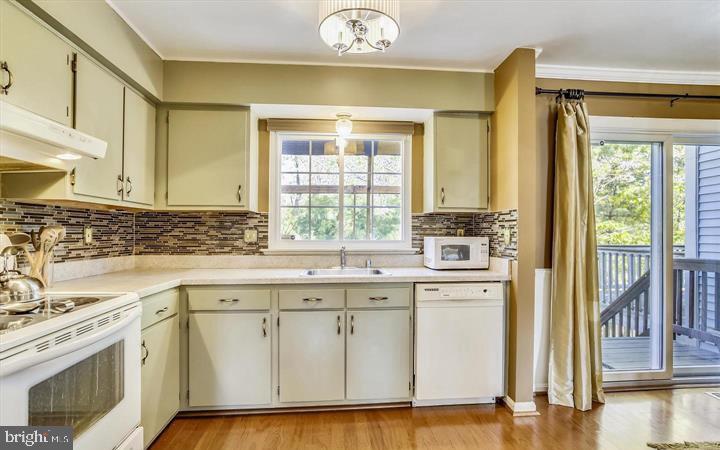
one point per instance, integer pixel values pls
(277, 244)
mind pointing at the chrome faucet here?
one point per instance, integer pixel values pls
(343, 258)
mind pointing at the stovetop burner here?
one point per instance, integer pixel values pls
(9, 323)
(59, 304)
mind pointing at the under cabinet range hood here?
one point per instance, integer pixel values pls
(31, 142)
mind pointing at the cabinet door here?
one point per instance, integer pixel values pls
(160, 385)
(312, 356)
(139, 150)
(40, 64)
(378, 355)
(207, 153)
(229, 359)
(461, 161)
(99, 98)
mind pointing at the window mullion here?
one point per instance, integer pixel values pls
(310, 189)
(369, 199)
(341, 194)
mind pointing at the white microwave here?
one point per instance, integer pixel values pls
(457, 252)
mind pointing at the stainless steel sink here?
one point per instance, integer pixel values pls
(357, 271)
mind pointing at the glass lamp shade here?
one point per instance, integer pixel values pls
(377, 24)
(343, 125)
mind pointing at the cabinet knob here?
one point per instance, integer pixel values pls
(5, 87)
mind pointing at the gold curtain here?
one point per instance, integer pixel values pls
(575, 372)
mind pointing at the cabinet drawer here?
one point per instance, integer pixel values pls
(158, 306)
(379, 298)
(228, 299)
(312, 299)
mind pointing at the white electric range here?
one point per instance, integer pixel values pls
(79, 368)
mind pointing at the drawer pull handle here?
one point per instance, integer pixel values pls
(339, 329)
(264, 326)
(229, 300)
(442, 196)
(377, 299)
(312, 299)
(160, 311)
(352, 324)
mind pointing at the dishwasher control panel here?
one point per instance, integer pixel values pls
(459, 291)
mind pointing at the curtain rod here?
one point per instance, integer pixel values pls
(574, 93)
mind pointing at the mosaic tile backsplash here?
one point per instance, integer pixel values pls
(113, 231)
(198, 233)
(124, 233)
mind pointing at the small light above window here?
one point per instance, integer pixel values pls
(344, 125)
(67, 156)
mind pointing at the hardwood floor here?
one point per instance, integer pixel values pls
(627, 421)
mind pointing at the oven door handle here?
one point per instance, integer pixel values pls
(13, 365)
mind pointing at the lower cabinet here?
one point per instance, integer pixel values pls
(229, 360)
(160, 379)
(312, 356)
(378, 355)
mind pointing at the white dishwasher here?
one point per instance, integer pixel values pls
(459, 343)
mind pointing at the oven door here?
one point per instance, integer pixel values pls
(92, 385)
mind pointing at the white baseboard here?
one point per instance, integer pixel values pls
(521, 409)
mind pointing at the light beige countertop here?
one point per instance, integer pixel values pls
(149, 281)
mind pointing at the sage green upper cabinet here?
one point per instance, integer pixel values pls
(139, 150)
(99, 98)
(207, 158)
(39, 62)
(456, 163)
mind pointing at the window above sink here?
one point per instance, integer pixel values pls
(326, 192)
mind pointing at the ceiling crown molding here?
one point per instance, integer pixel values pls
(627, 75)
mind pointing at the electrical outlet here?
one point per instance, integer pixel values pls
(88, 235)
(250, 236)
(507, 237)
(460, 232)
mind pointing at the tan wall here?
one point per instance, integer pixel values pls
(244, 84)
(106, 37)
(513, 182)
(604, 106)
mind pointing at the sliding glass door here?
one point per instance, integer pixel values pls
(696, 257)
(632, 200)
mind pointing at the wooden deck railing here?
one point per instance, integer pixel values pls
(619, 266)
(625, 295)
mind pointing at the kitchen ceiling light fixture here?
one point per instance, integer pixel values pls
(343, 125)
(359, 26)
